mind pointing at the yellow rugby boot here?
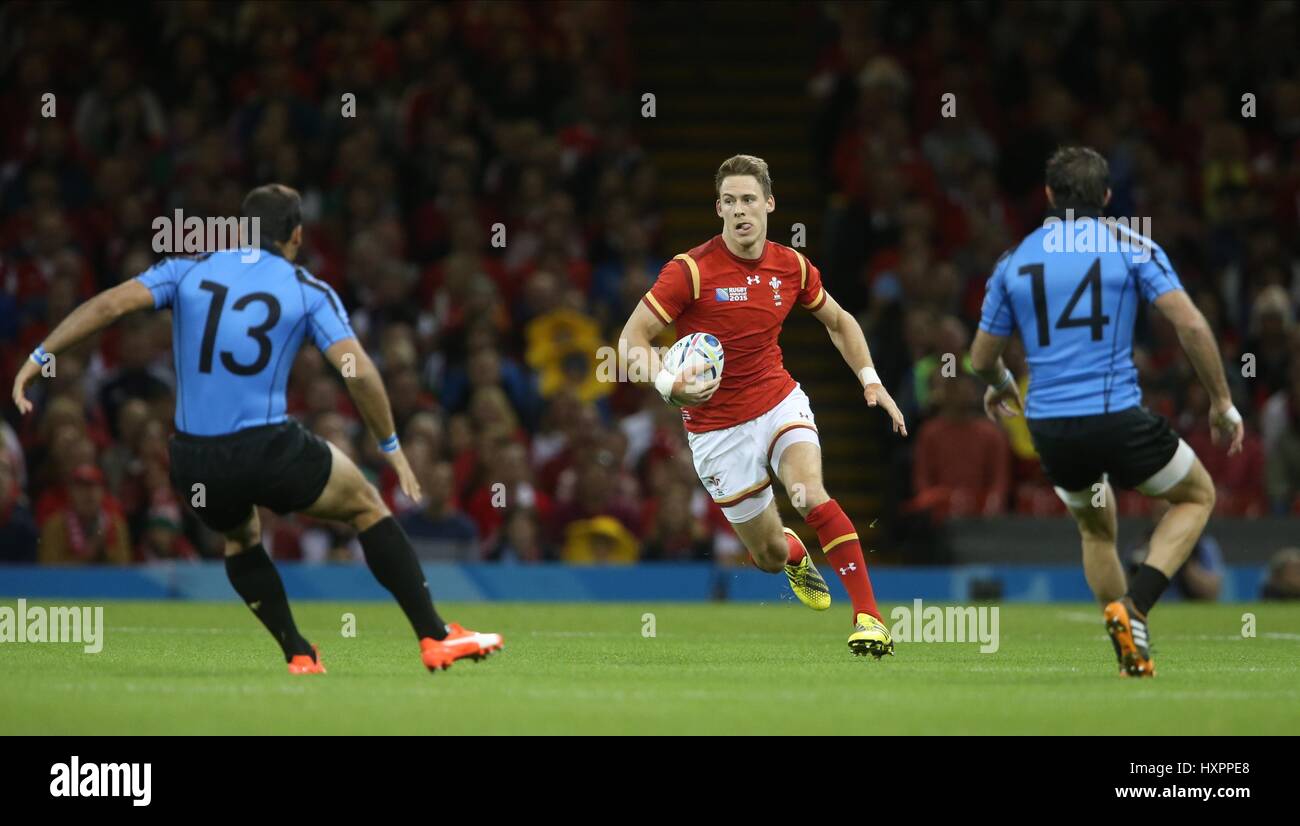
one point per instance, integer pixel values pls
(870, 636)
(806, 581)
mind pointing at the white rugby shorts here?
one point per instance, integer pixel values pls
(733, 462)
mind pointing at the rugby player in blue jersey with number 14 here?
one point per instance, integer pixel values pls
(1075, 312)
(236, 326)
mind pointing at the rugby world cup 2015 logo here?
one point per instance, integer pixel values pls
(731, 294)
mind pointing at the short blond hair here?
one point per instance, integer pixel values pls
(744, 165)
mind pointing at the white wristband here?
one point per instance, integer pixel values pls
(1232, 415)
(868, 375)
(1007, 378)
(664, 384)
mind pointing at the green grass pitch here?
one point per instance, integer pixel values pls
(172, 668)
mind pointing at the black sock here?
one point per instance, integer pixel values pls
(392, 560)
(1147, 586)
(258, 584)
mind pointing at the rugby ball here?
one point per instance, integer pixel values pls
(697, 348)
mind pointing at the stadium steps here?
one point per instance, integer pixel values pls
(708, 107)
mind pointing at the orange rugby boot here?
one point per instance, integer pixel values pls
(1128, 631)
(307, 663)
(458, 644)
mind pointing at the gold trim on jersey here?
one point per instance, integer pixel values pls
(695, 273)
(816, 303)
(659, 310)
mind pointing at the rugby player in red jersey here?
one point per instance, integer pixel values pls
(739, 287)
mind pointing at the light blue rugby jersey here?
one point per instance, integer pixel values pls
(236, 328)
(1075, 312)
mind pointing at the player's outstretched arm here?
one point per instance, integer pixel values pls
(1198, 342)
(644, 365)
(83, 322)
(1002, 398)
(367, 390)
(846, 334)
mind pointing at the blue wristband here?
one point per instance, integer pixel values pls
(390, 444)
(40, 356)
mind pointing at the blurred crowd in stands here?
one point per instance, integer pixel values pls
(474, 119)
(1203, 139)
(469, 118)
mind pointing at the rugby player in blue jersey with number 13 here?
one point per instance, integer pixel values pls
(237, 323)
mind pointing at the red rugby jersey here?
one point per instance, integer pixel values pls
(743, 302)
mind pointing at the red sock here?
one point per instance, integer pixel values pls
(797, 552)
(844, 553)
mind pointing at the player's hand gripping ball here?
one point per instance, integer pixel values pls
(696, 361)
